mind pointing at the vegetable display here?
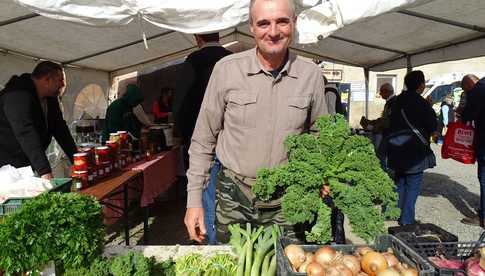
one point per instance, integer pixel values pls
(326, 261)
(255, 248)
(345, 162)
(64, 228)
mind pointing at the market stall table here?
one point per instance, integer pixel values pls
(151, 177)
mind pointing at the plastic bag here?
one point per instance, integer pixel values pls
(459, 143)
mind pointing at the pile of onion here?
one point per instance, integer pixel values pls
(475, 266)
(326, 261)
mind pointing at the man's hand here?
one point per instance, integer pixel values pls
(47, 176)
(324, 191)
(194, 221)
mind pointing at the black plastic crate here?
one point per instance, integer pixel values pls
(426, 232)
(382, 243)
(450, 250)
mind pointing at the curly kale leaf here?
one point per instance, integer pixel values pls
(322, 230)
(298, 204)
(360, 188)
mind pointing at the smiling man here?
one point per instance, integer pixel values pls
(253, 101)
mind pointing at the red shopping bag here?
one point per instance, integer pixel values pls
(459, 143)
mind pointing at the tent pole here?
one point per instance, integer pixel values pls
(366, 104)
(409, 65)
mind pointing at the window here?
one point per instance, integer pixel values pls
(440, 93)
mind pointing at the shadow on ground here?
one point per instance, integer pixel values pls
(166, 222)
(463, 200)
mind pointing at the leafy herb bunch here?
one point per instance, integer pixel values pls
(345, 162)
(64, 228)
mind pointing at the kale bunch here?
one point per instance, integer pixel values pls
(345, 162)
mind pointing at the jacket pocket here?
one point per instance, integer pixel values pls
(241, 109)
(298, 108)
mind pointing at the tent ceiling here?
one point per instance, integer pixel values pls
(427, 33)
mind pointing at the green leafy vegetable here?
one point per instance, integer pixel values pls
(64, 228)
(345, 162)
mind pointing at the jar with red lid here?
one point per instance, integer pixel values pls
(113, 146)
(91, 156)
(80, 162)
(102, 155)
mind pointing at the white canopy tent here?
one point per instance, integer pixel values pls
(107, 39)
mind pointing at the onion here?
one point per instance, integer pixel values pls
(295, 254)
(304, 266)
(309, 256)
(315, 269)
(474, 268)
(362, 250)
(390, 258)
(445, 263)
(352, 263)
(389, 272)
(362, 273)
(344, 270)
(325, 255)
(373, 262)
(409, 272)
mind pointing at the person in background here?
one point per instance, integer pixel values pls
(30, 116)
(380, 126)
(447, 115)
(467, 84)
(254, 100)
(411, 111)
(162, 108)
(199, 64)
(474, 111)
(334, 102)
(120, 116)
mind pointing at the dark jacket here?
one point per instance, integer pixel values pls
(202, 63)
(24, 132)
(420, 114)
(119, 115)
(475, 111)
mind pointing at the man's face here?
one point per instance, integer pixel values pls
(384, 93)
(55, 83)
(272, 25)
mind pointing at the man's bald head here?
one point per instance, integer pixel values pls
(468, 82)
(386, 90)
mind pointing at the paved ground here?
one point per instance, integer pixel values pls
(450, 192)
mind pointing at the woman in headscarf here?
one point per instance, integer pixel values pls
(120, 116)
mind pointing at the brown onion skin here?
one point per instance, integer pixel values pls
(325, 255)
(352, 262)
(315, 269)
(295, 254)
(390, 258)
(390, 271)
(373, 262)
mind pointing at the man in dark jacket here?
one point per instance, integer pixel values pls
(200, 64)
(408, 152)
(30, 115)
(475, 111)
